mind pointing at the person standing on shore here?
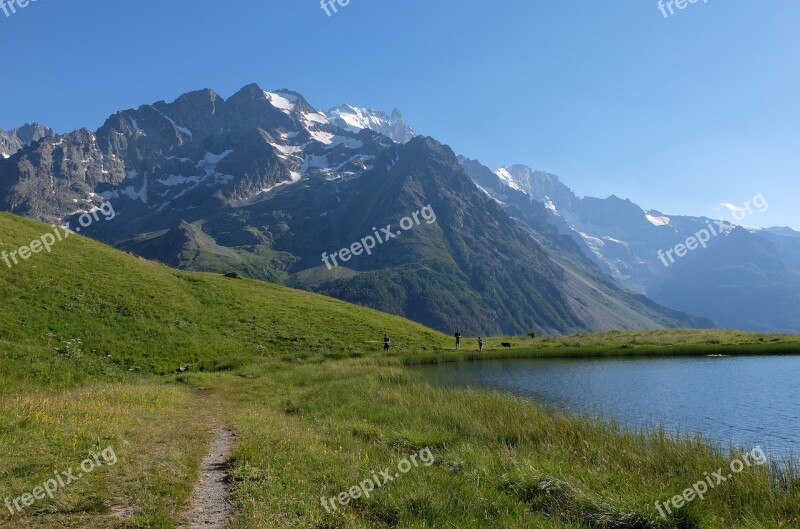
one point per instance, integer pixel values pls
(458, 340)
(480, 344)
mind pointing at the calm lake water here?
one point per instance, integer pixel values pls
(744, 401)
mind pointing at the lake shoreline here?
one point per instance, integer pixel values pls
(623, 345)
(734, 399)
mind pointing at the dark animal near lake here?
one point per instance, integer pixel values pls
(506, 345)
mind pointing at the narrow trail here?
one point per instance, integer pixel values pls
(210, 506)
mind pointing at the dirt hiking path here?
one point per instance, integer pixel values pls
(210, 507)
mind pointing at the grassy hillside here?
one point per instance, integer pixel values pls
(120, 314)
(90, 339)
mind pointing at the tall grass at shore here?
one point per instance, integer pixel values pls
(313, 431)
(620, 344)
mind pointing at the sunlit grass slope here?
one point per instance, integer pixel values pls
(117, 314)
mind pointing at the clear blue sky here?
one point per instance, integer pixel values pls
(677, 113)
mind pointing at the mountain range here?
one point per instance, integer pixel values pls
(13, 140)
(264, 184)
(741, 278)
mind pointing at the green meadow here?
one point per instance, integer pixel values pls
(99, 349)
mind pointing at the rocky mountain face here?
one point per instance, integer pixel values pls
(199, 151)
(13, 140)
(265, 185)
(744, 279)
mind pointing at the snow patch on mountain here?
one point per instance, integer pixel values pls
(356, 119)
(392, 162)
(139, 131)
(321, 136)
(178, 180)
(314, 162)
(294, 177)
(208, 165)
(315, 117)
(350, 143)
(182, 130)
(288, 150)
(615, 241)
(282, 101)
(657, 220)
(129, 191)
(210, 161)
(508, 179)
(214, 159)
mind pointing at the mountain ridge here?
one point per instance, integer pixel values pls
(263, 183)
(13, 140)
(629, 243)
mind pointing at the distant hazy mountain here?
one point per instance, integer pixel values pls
(13, 140)
(743, 281)
(263, 183)
(747, 280)
(786, 241)
(566, 247)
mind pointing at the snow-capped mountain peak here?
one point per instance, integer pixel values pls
(356, 119)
